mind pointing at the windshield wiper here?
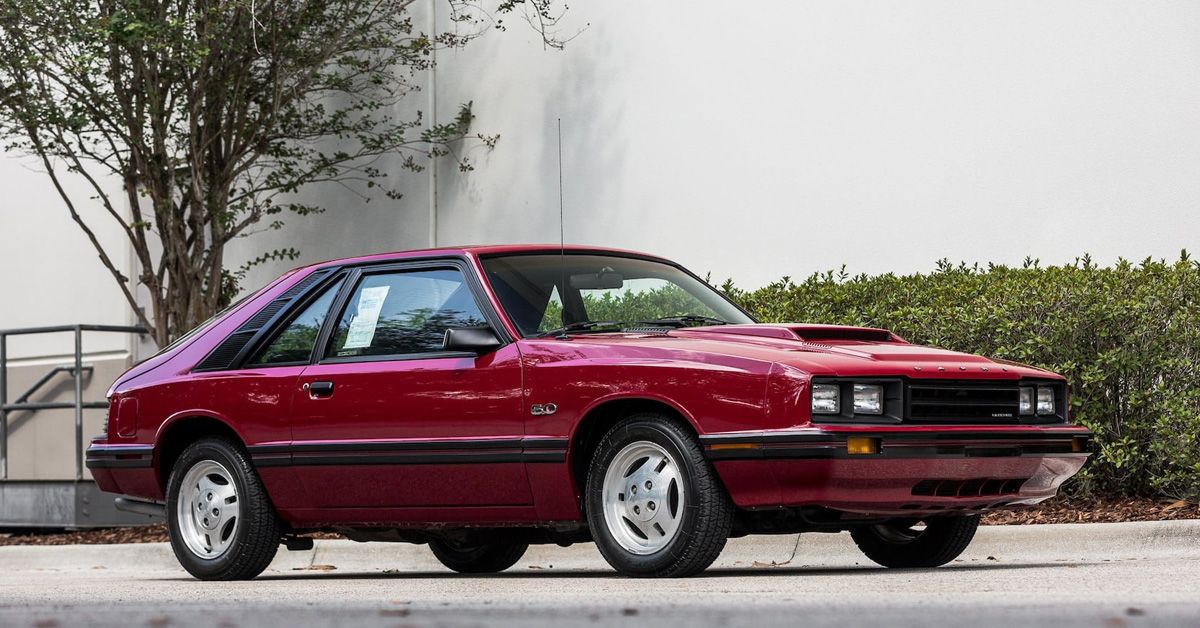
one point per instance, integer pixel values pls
(685, 321)
(579, 326)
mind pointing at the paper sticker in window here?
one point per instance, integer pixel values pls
(362, 328)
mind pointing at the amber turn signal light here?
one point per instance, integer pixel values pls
(856, 445)
(1079, 444)
(728, 446)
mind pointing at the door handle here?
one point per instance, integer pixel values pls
(319, 389)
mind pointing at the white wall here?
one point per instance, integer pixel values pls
(49, 272)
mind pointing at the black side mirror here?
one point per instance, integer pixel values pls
(477, 340)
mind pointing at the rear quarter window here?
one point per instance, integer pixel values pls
(294, 344)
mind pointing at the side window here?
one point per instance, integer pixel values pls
(404, 313)
(295, 342)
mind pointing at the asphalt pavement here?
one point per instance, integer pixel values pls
(1103, 575)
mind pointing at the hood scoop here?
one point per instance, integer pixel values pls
(837, 333)
(809, 333)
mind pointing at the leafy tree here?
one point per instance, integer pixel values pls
(212, 114)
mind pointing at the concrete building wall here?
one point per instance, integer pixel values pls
(50, 274)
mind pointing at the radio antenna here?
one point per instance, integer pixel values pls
(562, 240)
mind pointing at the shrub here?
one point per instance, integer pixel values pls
(1127, 338)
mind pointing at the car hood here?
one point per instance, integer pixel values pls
(828, 350)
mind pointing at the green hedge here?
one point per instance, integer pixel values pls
(1127, 338)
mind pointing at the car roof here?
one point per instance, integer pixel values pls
(476, 250)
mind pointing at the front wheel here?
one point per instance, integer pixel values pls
(492, 557)
(221, 523)
(654, 504)
(907, 544)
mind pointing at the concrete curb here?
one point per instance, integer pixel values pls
(1048, 543)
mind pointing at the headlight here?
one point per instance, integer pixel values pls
(1045, 400)
(1026, 406)
(868, 399)
(826, 399)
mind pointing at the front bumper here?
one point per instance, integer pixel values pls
(908, 469)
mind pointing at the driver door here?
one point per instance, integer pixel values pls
(388, 419)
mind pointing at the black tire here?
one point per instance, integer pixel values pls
(256, 538)
(489, 557)
(705, 522)
(900, 546)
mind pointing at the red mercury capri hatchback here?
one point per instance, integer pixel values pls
(481, 399)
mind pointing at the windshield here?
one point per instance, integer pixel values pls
(548, 292)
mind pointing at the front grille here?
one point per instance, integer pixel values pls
(983, 487)
(956, 402)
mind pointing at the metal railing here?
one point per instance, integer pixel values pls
(76, 370)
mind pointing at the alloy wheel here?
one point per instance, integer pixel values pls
(208, 509)
(643, 498)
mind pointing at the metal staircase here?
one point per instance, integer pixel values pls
(56, 503)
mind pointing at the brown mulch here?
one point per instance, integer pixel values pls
(1066, 510)
(102, 536)
(1058, 510)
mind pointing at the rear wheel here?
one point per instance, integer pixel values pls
(909, 544)
(654, 504)
(492, 557)
(221, 523)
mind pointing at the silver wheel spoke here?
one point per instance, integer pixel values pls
(228, 513)
(670, 480)
(225, 494)
(664, 523)
(644, 528)
(207, 487)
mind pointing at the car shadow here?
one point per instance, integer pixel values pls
(723, 572)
